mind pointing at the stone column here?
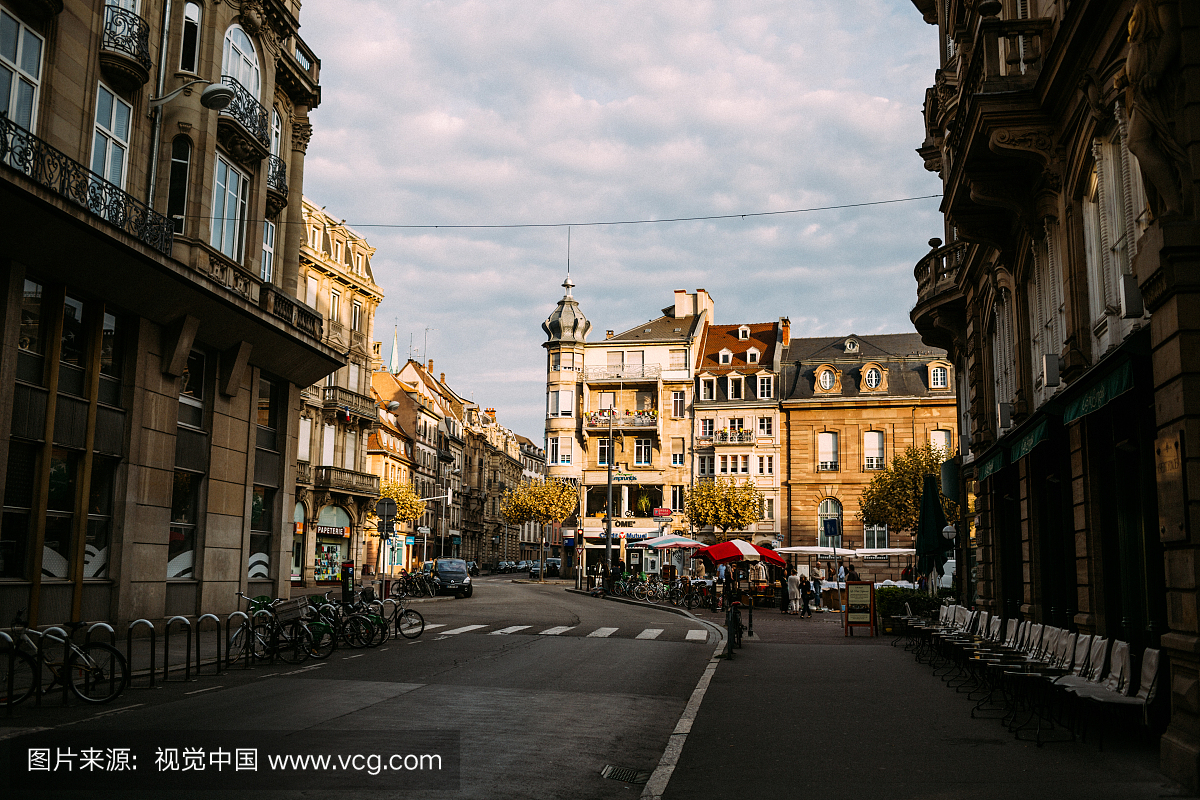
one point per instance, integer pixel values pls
(293, 230)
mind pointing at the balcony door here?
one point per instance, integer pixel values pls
(239, 60)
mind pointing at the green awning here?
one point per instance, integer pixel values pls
(990, 467)
(1022, 446)
(1100, 393)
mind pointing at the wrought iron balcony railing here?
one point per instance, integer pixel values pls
(734, 437)
(22, 151)
(277, 174)
(635, 420)
(247, 111)
(624, 372)
(126, 32)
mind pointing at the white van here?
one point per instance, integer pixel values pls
(947, 579)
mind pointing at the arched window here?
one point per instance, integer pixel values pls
(829, 522)
(938, 378)
(1003, 354)
(276, 131)
(239, 60)
(181, 163)
(189, 52)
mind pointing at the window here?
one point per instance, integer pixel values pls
(99, 518)
(736, 424)
(355, 316)
(940, 440)
(337, 251)
(873, 450)
(826, 379)
(312, 289)
(561, 404)
(608, 401)
(706, 428)
(766, 387)
(358, 263)
(643, 401)
(678, 404)
(745, 460)
(724, 462)
(642, 452)
(766, 426)
(231, 191)
(873, 378)
(181, 164)
(735, 388)
(268, 254)
(189, 53)
(603, 451)
(875, 536)
(939, 378)
(303, 449)
(73, 359)
(744, 332)
(110, 140)
(677, 359)
(616, 360)
(708, 389)
(15, 533)
(20, 70)
(276, 131)
(181, 545)
(262, 512)
(768, 509)
(191, 391)
(726, 357)
(704, 465)
(766, 465)
(56, 552)
(350, 450)
(335, 306)
(827, 451)
(678, 498)
(239, 60)
(752, 356)
(829, 522)
(677, 451)
(560, 450)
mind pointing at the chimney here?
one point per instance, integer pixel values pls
(785, 325)
(429, 369)
(490, 413)
(608, 334)
(443, 379)
(681, 304)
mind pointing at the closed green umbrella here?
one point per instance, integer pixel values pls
(931, 545)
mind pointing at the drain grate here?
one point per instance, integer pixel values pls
(624, 774)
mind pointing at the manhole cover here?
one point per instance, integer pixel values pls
(624, 774)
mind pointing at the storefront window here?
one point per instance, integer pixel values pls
(99, 524)
(181, 549)
(298, 542)
(333, 539)
(261, 513)
(60, 505)
(18, 498)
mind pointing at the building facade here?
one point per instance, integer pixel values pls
(390, 457)
(153, 347)
(335, 488)
(849, 405)
(1063, 289)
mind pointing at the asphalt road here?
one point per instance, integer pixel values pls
(535, 688)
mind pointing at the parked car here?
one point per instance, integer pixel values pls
(553, 567)
(504, 566)
(535, 569)
(473, 569)
(521, 566)
(450, 575)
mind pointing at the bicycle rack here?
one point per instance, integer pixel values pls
(229, 637)
(41, 649)
(129, 648)
(187, 661)
(217, 631)
(12, 663)
(104, 626)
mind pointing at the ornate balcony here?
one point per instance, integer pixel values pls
(304, 473)
(633, 420)
(290, 310)
(940, 313)
(336, 397)
(345, 480)
(125, 49)
(627, 372)
(277, 187)
(242, 125)
(734, 437)
(20, 150)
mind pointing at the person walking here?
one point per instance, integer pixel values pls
(795, 592)
(853, 574)
(784, 593)
(816, 588)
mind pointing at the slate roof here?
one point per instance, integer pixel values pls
(903, 355)
(665, 328)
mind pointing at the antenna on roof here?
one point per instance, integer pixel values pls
(568, 252)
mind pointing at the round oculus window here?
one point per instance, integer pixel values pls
(827, 380)
(873, 378)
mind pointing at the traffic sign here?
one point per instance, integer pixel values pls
(662, 512)
(385, 507)
(424, 531)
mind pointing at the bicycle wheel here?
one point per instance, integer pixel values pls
(322, 641)
(382, 630)
(691, 600)
(295, 643)
(638, 592)
(98, 672)
(23, 678)
(358, 631)
(410, 624)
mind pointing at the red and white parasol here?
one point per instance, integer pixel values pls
(738, 550)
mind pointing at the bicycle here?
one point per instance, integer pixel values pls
(96, 672)
(281, 631)
(405, 621)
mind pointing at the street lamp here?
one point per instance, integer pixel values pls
(216, 97)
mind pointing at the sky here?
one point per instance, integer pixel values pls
(556, 112)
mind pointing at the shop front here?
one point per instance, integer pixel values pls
(298, 544)
(333, 544)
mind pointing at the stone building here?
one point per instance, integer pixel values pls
(335, 488)
(1063, 288)
(849, 404)
(390, 458)
(153, 348)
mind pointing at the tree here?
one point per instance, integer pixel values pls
(548, 502)
(723, 504)
(408, 505)
(893, 497)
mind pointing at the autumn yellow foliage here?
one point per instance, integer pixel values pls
(723, 504)
(547, 502)
(893, 498)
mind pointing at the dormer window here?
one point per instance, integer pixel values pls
(827, 380)
(744, 332)
(726, 356)
(939, 375)
(873, 378)
(851, 346)
(752, 356)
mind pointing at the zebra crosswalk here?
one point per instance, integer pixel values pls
(584, 631)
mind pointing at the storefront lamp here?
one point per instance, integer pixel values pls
(949, 532)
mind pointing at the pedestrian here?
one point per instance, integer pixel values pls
(841, 573)
(783, 590)
(853, 574)
(806, 598)
(816, 588)
(795, 592)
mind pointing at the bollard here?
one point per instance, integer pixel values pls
(229, 633)
(217, 630)
(129, 648)
(187, 662)
(12, 669)
(41, 650)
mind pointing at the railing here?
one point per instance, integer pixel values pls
(938, 270)
(277, 175)
(292, 312)
(22, 151)
(622, 421)
(626, 372)
(247, 111)
(355, 403)
(126, 32)
(303, 472)
(348, 480)
(734, 437)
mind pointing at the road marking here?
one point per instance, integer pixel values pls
(463, 629)
(650, 633)
(601, 633)
(508, 630)
(435, 625)
(697, 636)
(347, 658)
(556, 631)
(209, 689)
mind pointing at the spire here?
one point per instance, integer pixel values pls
(566, 324)
(394, 365)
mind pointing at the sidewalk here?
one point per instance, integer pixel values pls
(802, 710)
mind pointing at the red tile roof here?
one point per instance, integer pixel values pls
(725, 337)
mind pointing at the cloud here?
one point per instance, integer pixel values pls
(499, 111)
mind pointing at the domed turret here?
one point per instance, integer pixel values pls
(566, 324)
